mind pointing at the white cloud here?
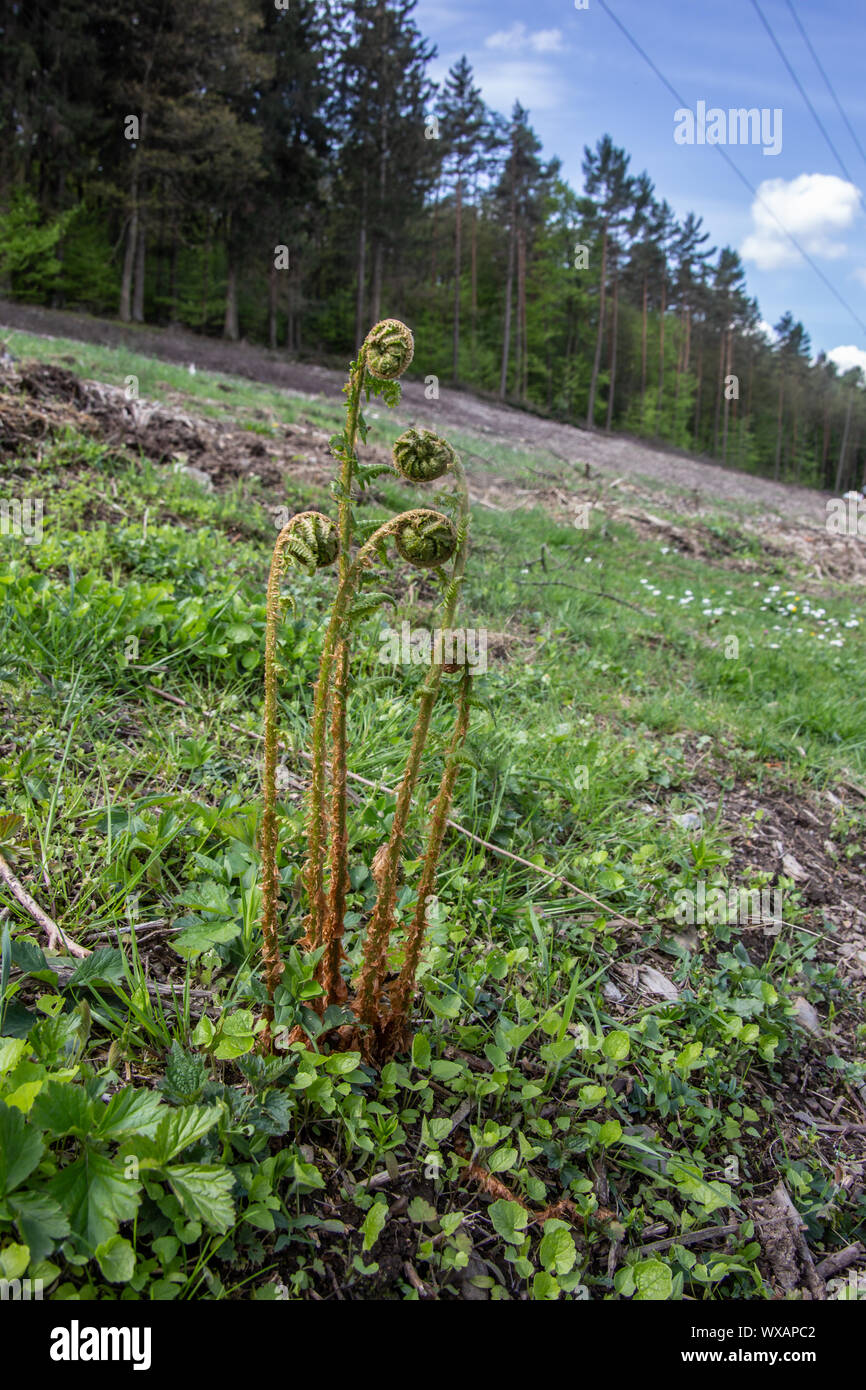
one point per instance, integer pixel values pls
(529, 81)
(848, 357)
(815, 208)
(518, 37)
(767, 329)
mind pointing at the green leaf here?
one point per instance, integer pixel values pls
(203, 936)
(545, 1287)
(185, 1074)
(28, 957)
(116, 1259)
(341, 1063)
(204, 1192)
(105, 966)
(11, 1052)
(502, 1160)
(96, 1196)
(373, 1223)
(421, 1210)
(610, 1132)
(616, 1046)
(39, 1220)
(557, 1251)
(204, 1032)
(509, 1219)
(421, 1052)
(179, 1128)
(14, 1259)
(654, 1281)
(129, 1112)
(592, 1095)
(235, 1035)
(62, 1109)
(21, 1148)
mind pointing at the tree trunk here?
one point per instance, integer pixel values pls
(612, 388)
(643, 349)
(272, 307)
(230, 326)
(172, 280)
(523, 349)
(840, 471)
(362, 276)
(458, 233)
(779, 429)
(376, 289)
(700, 376)
(474, 276)
(596, 362)
(661, 396)
(138, 291)
(720, 387)
(728, 363)
(125, 310)
(205, 282)
(509, 283)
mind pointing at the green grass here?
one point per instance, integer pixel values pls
(133, 819)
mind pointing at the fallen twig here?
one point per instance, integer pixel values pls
(839, 1260)
(57, 938)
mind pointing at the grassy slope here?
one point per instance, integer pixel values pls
(603, 721)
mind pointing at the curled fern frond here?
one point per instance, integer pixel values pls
(312, 540)
(424, 538)
(390, 348)
(421, 456)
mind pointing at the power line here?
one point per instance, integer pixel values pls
(830, 87)
(740, 175)
(803, 93)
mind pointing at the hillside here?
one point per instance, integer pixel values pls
(603, 1099)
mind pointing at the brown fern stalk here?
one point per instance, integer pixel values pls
(423, 538)
(331, 978)
(387, 351)
(375, 963)
(405, 988)
(310, 540)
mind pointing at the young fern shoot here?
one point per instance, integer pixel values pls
(310, 541)
(426, 539)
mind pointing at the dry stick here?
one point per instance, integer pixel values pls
(597, 593)
(452, 825)
(65, 971)
(839, 1260)
(57, 938)
(690, 1238)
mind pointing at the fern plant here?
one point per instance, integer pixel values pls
(426, 539)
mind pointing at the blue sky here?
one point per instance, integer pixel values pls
(579, 77)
